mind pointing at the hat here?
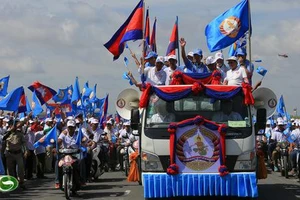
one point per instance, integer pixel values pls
(71, 123)
(31, 121)
(191, 54)
(160, 59)
(151, 54)
(197, 52)
(241, 51)
(77, 121)
(1, 117)
(172, 57)
(268, 122)
(109, 122)
(6, 119)
(70, 118)
(280, 122)
(232, 58)
(95, 121)
(22, 119)
(126, 124)
(292, 119)
(48, 120)
(210, 60)
(219, 55)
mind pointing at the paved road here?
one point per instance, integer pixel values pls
(113, 185)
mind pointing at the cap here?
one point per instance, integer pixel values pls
(280, 122)
(71, 123)
(22, 119)
(151, 54)
(77, 121)
(219, 55)
(31, 121)
(70, 118)
(232, 58)
(197, 52)
(160, 59)
(268, 122)
(292, 119)
(95, 121)
(191, 54)
(172, 57)
(109, 122)
(210, 60)
(6, 119)
(48, 120)
(166, 58)
(241, 51)
(1, 117)
(126, 124)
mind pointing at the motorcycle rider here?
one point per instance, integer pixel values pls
(276, 137)
(294, 147)
(67, 139)
(122, 141)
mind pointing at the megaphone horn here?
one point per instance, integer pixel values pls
(126, 101)
(265, 98)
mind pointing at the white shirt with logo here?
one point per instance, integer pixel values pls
(236, 76)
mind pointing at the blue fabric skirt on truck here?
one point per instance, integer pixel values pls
(162, 185)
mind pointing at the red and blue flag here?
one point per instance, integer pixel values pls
(153, 37)
(174, 41)
(132, 29)
(43, 93)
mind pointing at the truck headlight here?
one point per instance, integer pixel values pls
(150, 162)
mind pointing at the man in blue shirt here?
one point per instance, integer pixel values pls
(243, 62)
(195, 66)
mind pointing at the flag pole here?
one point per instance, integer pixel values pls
(143, 43)
(249, 32)
(178, 49)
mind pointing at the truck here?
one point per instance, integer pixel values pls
(151, 114)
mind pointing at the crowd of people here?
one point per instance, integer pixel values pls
(158, 70)
(22, 158)
(277, 132)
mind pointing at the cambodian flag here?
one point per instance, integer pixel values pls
(132, 29)
(153, 37)
(44, 93)
(173, 44)
(147, 33)
(104, 111)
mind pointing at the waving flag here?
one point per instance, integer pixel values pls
(49, 139)
(22, 104)
(12, 100)
(94, 92)
(240, 43)
(147, 33)
(104, 111)
(280, 109)
(3, 86)
(153, 37)
(75, 95)
(63, 94)
(36, 105)
(228, 27)
(44, 93)
(174, 40)
(86, 90)
(132, 29)
(262, 71)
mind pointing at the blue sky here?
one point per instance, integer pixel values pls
(55, 41)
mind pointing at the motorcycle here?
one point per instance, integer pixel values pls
(96, 164)
(66, 162)
(284, 161)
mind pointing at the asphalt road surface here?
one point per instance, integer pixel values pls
(113, 185)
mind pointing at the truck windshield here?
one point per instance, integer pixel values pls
(231, 112)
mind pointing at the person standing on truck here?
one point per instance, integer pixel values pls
(196, 66)
(248, 66)
(172, 59)
(236, 75)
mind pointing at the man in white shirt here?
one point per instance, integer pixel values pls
(171, 69)
(156, 75)
(162, 115)
(236, 75)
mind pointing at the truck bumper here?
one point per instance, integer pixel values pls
(162, 185)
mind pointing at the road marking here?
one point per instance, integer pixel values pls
(127, 192)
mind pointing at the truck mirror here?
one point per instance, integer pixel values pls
(135, 118)
(261, 119)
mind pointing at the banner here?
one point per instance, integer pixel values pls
(197, 145)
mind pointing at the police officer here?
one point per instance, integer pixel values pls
(14, 148)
